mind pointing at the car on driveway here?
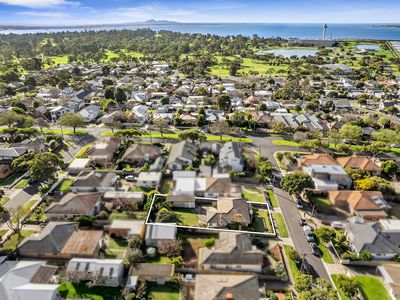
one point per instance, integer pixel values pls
(130, 178)
(310, 238)
(315, 250)
(299, 204)
(307, 230)
(337, 225)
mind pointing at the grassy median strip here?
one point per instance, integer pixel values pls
(280, 223)
(294, 270)
(272, 198)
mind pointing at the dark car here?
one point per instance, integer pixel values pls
(315, 250)
(299, 204)
(302, 222)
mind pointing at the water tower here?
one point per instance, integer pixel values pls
(324, 31)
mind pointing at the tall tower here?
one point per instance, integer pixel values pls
(324, 31)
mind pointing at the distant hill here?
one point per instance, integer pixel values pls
(163, 22)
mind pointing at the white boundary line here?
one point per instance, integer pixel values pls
(267, 234)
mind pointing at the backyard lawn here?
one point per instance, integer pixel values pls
(372, 288)
(82, 291)
(116, 248)
(168, 291)
(280, 223)
(272, 198)
(65, 185)
(187, 217)
(135, 215)
(261, 222)
(166, 186)
(15, 239)
(159, 260)
(253, 194)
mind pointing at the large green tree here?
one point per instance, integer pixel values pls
(193, 135)
(73, 120)
(297, 183)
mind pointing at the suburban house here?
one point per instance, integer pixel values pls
(181, 155)
(294, 121)
(131, 198)
(90, 113)
(21, 280)
(140, 153)
(326, 173)
(7, 156)
(368, 205)
(111, 271)
(230, 157)
(227, 211)
(149, 180)
(61, 240)
(183, 201)
(186, 183)
(93, 181)
(159, 273)
(391, 276)
(381, 239)
(78, 165)
(157, 234)
(360, 162)
(102, 154)
(74, 204)
(140, 114)
(232, 252)
(226, 287)
(126, 228)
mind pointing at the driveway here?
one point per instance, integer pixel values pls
(21, 197)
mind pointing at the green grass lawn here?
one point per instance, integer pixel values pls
(341, 293)
(292, 265)
(326, 255)
(23, 183)
(65, 185)
(116, 248)
(286, 143)
(166, 186)
(80, 291)
(253, 194)
(10, 179)
(187, 217)
(280, 223)
(167, 291)
(261, 221)
(322, 204)
(12, 243)
(4, 200)
(272, 198)
(82, 152)
(64, 131)
(159, 260)
(25, 209)
(372, 288)
(135, 215)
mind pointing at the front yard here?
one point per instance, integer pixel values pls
(253, 194)
(12, 243)
(272, 198)
(10, 179)
(322, 204)
(65, 185)
(280, 223)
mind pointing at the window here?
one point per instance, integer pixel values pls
(87, 267)
(101, 271)
(77, 266)
(111, 272)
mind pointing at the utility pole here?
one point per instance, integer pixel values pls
(303, 259)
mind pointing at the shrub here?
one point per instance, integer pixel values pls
(170, 248)
(85, 221)
(135, 243)
(294, 256)
(365, 255)
(209, 242)
(177, 261)
(133, 256)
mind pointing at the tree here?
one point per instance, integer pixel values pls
(265, 167)
(170, 248)
(280, 127)
(376, 148)
(350, 132)
(224, 102)
(373, 183)
(193, 135)
(13, 218)
(220, 128)
(161, 125)
(365, 255)
(384, 122)
(73, 120)
(357, 174)
(303, 282)
(133, 256)
(128, 134)
(241, 119)
(325, 233)
(41, 166)
(136, 242)
(297, 183)
(42, 123)
(109, 93)
(389, 167)
(349, 285)
(166, 216)
(9, 118)
(294, 256)
(386, 136)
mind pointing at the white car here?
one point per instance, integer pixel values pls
(337, 225)
(307, 230)
(130, 178)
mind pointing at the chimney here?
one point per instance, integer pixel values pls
(229, 296)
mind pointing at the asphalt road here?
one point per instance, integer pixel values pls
(292, 217)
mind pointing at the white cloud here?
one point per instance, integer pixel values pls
(38, 3)
(47, 14)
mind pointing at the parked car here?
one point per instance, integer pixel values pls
(315, 250)
(310, 238)
(337, 225)
(307, 230)
(299, 204)
(130, 178)
(302, 222)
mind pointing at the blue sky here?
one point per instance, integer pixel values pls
(251, 11)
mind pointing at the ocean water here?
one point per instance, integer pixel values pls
(338, 31)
